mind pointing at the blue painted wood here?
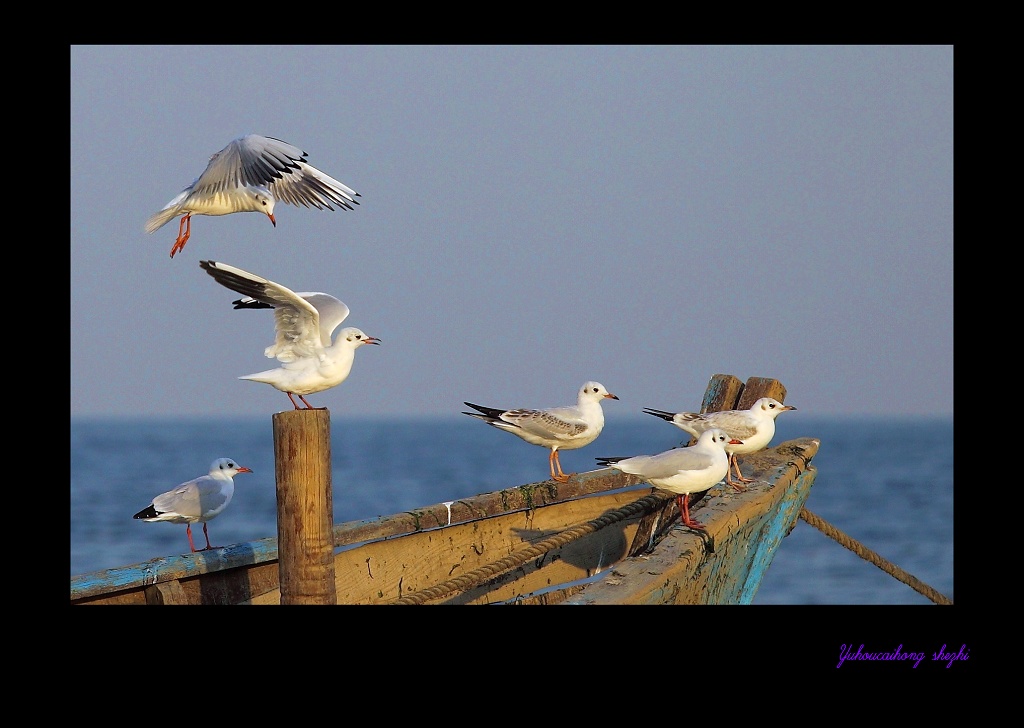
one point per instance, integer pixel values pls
(722, 393)
(777, 528)
(169, 568)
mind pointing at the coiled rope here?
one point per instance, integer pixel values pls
(518, 558)
(867, 554)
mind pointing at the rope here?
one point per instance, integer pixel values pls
(518, 558)
(869, 555)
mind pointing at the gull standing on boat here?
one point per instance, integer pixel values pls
(754, 426)
(196, 501)
(304, 323)
(557, 428)
(682, 470)
(251, 174)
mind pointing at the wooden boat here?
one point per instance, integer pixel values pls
(601, 538)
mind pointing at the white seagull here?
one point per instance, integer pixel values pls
(304, 324)
(196, 501)
(754, 426)
(682, 470)
(251, 174)
(557, 428)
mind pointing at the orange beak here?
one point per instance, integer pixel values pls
(271, 216)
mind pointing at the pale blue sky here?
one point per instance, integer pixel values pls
(531, 217)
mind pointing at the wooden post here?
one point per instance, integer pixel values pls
(722, 392)
(726, 392)
(305, 506)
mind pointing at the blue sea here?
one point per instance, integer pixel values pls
(887, 483)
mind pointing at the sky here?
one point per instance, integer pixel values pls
(530, 218)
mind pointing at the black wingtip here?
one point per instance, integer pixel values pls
(252, 303)
(492, 413)
(659, 413)
(606, 462)
(149, 512)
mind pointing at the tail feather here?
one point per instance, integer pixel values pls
(171, 210)
(159, 219)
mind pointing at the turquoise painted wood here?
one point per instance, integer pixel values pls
(777, 528)
(169, 568)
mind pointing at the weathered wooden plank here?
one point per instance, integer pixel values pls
(168, 592)
(522, 497)
(578, 559)
(107, 586)
(653, 524)
(745, 529)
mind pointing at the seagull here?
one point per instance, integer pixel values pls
(557, 428)
(251, 174)
(754, 426)
(682, 470)
(196, 501)
(304, 325)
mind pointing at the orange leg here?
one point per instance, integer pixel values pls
(684, 513)
(188, 530)
(739, 475)
(184, 230)
(296, 405)
(553, 462)
(728, 475)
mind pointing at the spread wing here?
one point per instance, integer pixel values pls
(281, 167)
(299, 329)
